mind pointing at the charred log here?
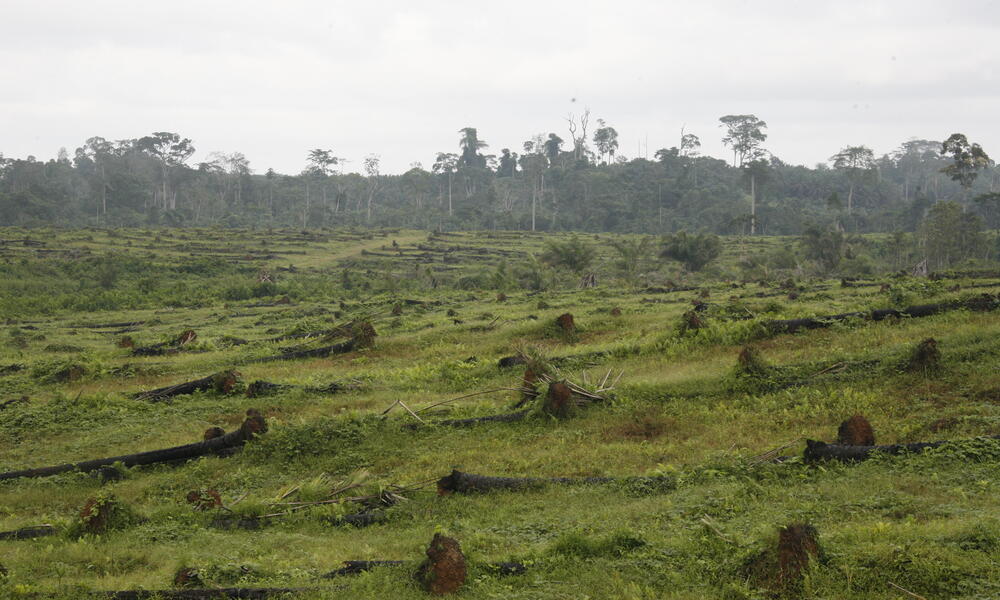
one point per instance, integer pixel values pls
(28, 533)
(252, 426)
(222, 382)
(458, 482)
(817, 451)
(985, 302)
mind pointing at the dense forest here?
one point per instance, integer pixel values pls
(549, 184)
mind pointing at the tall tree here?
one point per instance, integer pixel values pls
(745, 135)
(606, 140)
(855, 162)
(172, 152)
(508, 163)
(967, 160)
(446, 163)
(552, 147)
(371, 164)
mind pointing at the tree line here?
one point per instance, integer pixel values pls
(582, 183)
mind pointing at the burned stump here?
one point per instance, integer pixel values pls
(444, 571)
(559, 401)
(925, 358)
(856, 431)
(566, 324)
(781, 568)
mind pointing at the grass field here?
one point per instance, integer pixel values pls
(681, 413)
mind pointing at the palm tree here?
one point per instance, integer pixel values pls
(470, 145)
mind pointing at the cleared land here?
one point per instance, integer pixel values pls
(684, 432)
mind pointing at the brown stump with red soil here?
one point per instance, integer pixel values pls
(444, 571)
(565, 323)
(126, 341)
(856, 431)
(780, 569)
(797, 545)
(559, 401)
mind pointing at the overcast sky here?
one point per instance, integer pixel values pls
(399, 79)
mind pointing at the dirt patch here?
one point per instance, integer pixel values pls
(646, 426)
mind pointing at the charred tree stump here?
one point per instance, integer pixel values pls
(222, 382)
(252, 426)
(565, 323)
(444, 571)
(817, 451)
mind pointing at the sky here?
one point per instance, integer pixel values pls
(399, 79)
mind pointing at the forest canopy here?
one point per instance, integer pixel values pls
(582, 183)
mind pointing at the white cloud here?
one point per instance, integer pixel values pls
(275, 79)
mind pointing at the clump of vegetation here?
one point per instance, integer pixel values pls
(693, 251)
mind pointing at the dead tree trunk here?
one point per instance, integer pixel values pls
(253, 425)
(816, 451)
(221, 382)
(468, 483)
(208, 593)
(981, 303)
(28, 533)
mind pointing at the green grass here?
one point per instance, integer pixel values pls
(928, 523)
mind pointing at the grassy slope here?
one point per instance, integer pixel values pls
(928, 523)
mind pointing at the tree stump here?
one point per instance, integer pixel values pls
(559, 401)
(565, 323)
(856, 431)
(444, 570)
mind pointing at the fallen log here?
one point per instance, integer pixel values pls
(504, 418)
(197, 594)
(980, 303)
(252, 426)
(28, 533)
(356, 567)
(222, 382)
(467, 483)
(818, 451)
(8, 403)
